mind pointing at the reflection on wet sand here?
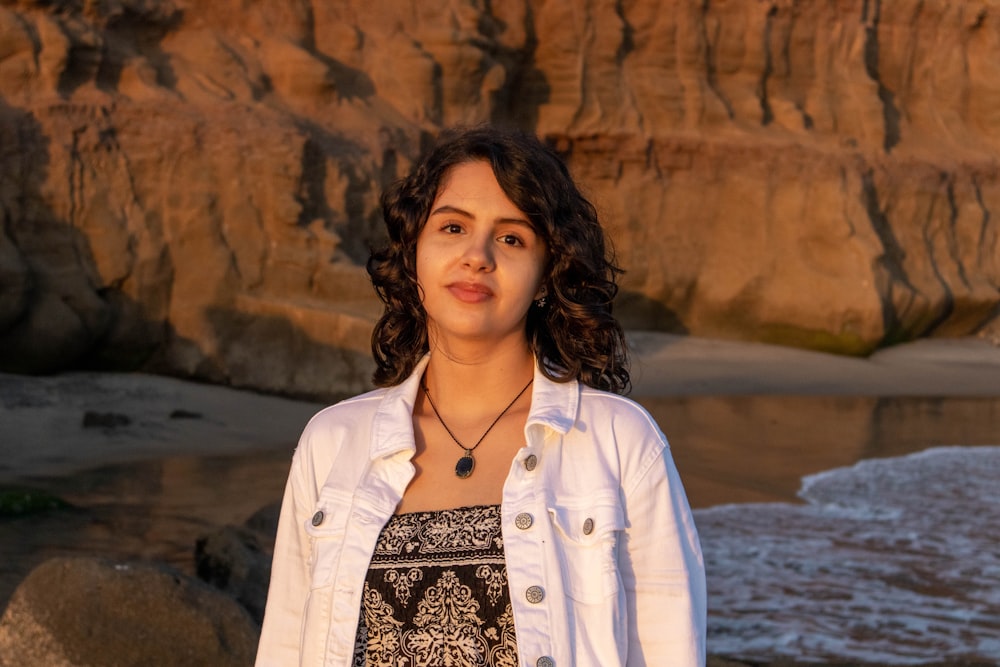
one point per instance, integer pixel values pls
(149, 510)
(735, 449)
(728, 449)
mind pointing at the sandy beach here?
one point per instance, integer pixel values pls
(665, 365)
(42, 429)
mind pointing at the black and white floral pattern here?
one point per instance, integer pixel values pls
(436, 593)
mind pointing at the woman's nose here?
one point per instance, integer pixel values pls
(479, 254)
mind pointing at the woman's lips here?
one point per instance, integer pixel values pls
(470, 292)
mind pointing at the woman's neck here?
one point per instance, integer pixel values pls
(478, 377)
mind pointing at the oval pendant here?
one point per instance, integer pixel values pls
(465, 465)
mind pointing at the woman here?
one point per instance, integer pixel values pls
(496, 501)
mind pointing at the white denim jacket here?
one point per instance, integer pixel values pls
(611, 541)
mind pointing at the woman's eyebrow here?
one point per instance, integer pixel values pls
(454, 210)
(447, 208)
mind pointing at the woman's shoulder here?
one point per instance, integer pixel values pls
(621, 411)
(347, 412)
(621, 436)
(345, 424)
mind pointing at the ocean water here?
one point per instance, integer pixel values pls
(892, 561)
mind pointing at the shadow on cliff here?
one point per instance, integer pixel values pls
(55, 313)
(129, 30)
(517, 103)
(58, 313)
(351, 83)
(636, 311)
(357, 225)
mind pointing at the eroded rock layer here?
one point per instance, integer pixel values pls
(192, 187)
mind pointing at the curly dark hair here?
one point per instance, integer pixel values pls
(574, 335)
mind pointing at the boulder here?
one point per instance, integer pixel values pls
(86, 612)
(237, 559)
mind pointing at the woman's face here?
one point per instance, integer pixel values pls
(479, 261)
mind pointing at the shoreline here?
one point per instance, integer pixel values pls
(65, 423)
(669, 365)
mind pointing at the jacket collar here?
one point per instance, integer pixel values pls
(392, 429)
(553, 405)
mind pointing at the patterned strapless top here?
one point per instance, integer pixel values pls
(436, 593)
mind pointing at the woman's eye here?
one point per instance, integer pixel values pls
(452, 228)
(510, 239)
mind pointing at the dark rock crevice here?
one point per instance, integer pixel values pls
(947, 306)
(766, 114)
(987, 250)
(871, 15)
(627, 43)
(891, 273)
(708, 54)
(526, 87)
(953, 233)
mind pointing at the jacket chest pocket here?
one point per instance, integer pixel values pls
(326, 527)
(586, 539)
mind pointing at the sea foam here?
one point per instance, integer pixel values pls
(889, 561)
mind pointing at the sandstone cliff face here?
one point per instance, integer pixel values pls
(192, 187)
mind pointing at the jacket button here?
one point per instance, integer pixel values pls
(545, 661)
(523, 521)
(317, 518)
(588, 526)
(535, 594)
(530, 462)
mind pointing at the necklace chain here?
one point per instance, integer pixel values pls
(469, 450)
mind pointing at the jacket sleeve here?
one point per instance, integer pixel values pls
(290, 580)
(662, 569)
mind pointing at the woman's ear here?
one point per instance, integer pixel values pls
(540, 297)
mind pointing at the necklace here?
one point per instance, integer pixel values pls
(464, 466)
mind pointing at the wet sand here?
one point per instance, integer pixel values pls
(735, 449)
(728, 449)
(44, 427)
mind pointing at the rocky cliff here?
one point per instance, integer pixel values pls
(191, 187)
